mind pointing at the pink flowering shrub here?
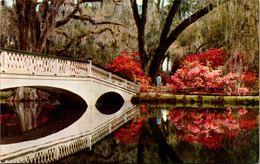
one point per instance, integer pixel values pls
(242, 91)
(242, 111)
(204, 72)
(196, 77)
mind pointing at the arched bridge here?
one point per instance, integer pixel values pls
(72, 82)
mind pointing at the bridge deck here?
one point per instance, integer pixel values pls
(20, 63)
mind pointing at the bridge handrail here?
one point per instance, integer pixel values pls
(25, 63)
(40, 55)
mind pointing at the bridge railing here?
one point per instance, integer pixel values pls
(20, 63)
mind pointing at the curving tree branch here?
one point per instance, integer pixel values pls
(169, 19)
(72, 40)
(62, 33)
(186, 22)
(162, 48)
(68, 17)
(88, 18)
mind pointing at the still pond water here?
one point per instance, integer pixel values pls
(161, 134)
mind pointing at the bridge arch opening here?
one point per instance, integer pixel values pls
(109, 103)
(33, 119)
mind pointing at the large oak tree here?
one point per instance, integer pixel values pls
(151, 61)
(36, 20)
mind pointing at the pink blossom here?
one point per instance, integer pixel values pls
(242, 91)
(242, 111)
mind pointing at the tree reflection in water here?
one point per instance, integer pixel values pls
(31, 120)
(24, 116)
(232, 135)
(233, 130)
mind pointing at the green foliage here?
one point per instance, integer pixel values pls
(232, 26)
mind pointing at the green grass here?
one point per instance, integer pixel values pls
(195, 105)
(232, 98)
(206, 99)
(5, 94)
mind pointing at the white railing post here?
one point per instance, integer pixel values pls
(89, 67)
(125, 118)
(110, 128)
(110, 77)
(89, 141)
(125, 85)
(3, 56)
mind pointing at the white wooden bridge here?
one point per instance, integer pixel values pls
(70, 81)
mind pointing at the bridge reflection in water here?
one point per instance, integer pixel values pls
(25, 121)
(71, 82)
(35, 128)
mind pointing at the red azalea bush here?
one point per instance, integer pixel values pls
(205, 72)
(213, 58)
(130, 133)
(250, 79)
(128, 65)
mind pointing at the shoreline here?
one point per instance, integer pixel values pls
(197, 99)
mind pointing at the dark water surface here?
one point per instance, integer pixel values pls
(170, 134)
(161, 134)
(24, 121)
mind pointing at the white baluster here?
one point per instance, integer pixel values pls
(56, 67)
(68, 66)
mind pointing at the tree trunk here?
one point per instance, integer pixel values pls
(141, 148)
(167, 40)
(19, 95)
(34, 26)
(175, 65)
(167, 154)
(156, 62)
(28, 94)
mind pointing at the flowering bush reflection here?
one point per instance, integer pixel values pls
(23, 117)
(210, 128)
(129, 133)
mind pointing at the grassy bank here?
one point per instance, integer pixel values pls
(7, 94)
(198, 99)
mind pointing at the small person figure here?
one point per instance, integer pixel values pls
(159, 83)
